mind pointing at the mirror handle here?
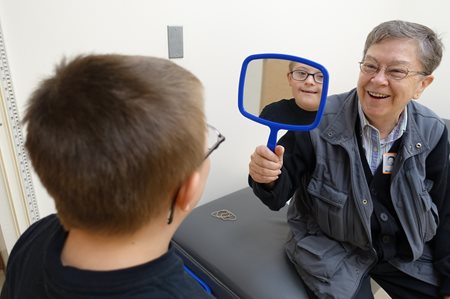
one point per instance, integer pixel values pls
(272, 142)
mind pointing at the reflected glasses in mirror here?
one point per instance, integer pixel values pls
(300, 75)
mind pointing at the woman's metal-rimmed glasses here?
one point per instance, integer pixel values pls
(397, 72)
(214, 139)
(300, 75)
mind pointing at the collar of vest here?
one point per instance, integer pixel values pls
(339, 119)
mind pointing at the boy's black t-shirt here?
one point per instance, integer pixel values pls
(35, 271)
(288, 112)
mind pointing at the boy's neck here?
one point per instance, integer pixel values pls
(89, 251)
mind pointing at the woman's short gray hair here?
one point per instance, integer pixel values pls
(429, 44)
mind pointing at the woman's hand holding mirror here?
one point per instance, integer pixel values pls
(265, 165)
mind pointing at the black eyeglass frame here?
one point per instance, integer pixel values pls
(220, 139)
(407, 74)
(307, 75)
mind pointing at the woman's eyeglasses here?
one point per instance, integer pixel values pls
(396, 72)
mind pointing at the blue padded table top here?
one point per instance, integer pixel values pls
(242, 258)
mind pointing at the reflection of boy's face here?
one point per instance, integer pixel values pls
(307, 93)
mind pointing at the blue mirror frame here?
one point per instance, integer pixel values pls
(275, 126)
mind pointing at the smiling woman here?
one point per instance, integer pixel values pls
(391, 75)
(371, 180)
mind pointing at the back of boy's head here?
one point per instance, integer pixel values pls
(112, 137)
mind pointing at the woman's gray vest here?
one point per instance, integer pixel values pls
(331, 242)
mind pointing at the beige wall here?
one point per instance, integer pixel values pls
(217, 38)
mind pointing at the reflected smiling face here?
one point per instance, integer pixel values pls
(383, 99)
(307, 93)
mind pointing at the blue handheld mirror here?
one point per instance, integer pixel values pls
(283, 92)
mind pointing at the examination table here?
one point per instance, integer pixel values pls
(239, 252)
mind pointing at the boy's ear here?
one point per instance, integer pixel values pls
(288, 78)
(188, 193)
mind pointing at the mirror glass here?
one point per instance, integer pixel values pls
(283, 92)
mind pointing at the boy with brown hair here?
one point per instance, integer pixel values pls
(120, 143)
